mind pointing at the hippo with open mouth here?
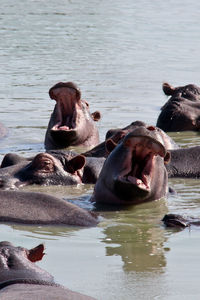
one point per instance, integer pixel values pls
(134, 172)
(71, 123)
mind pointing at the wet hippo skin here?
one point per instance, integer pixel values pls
(22, 279)
(71, 123)
(52, 168)
(178, 221)
(38, 208)
(134, 172)
(184, 163)
(118, 134)
(182, 111)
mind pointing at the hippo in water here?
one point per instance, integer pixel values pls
(42, 209)
(71, 123)
(182, 111)
(178, 221)
(21, 278)
(184, 163)
(52, 168)
(134, 172)
(103, 149)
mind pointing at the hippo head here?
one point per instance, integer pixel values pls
(49, 169)
(182, 111)
(190, 92)
(134, 172)
(17, 263)
(71, 123)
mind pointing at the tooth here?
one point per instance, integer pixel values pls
(132, 179)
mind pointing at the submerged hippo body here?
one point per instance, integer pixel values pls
(52, 168)
(184, 163)
(134, 172)
(178, 221)
(38, 208)
(182, 111)
(22, 279)
(71, 123)
(118, 134)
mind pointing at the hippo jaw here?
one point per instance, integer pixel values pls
(136, 178)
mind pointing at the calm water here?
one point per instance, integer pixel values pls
(119, 53)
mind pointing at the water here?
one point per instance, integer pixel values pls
(119, 53)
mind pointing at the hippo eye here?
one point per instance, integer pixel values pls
(47, 165)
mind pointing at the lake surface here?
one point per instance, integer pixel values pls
(119, 53)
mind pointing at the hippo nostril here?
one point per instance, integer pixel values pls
(151, 128)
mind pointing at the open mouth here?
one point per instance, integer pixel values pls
(141, 161)
(66, 117)
(68, 102)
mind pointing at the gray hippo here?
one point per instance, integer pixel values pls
(103, 149)
(52, 168)
(134, 172)
(182, 111)
(178, 221)
(22, 279)
(42, 209)
(184, 163)
(71, 123)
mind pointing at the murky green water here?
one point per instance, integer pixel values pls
(119, 53)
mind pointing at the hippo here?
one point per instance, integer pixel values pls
(182, 111)
(178, 221)
(43, 209)
(71, 123)
(184, 163)
(118, 134)
(49, 168)
(134, 172)
(21, 278)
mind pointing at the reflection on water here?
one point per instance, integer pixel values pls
(186, 138)
(139, 238)
(46, 232)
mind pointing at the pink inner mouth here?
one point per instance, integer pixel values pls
(142, 159)
(140, 173)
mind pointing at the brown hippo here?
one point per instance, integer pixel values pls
(134, 172)
(182, 111)
(22, 279)
(103, 149)
(184, 163)
(178, 221)
(71, 123)
(38, 208)
(52, 168)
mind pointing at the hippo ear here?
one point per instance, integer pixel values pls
(167, 158)
(75, 164)
(110, 145)
(96, 116)
(168, 89)
(110, 133)
(36, 253)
